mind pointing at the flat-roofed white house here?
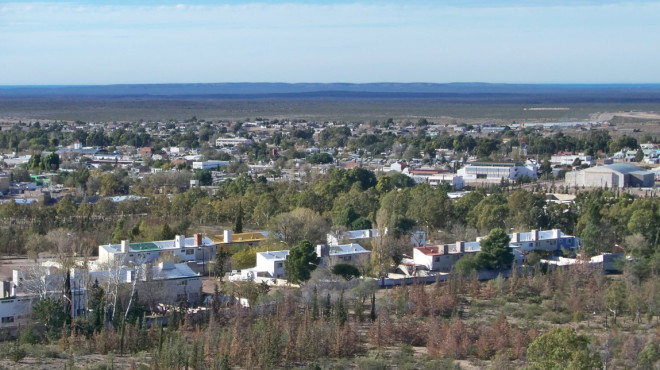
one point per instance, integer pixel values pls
(454, 180)
(352, 253)
(197, 251)
(567, 159)
(444, 257)
(269, 264)
(166, 282)
(436, 257)
(417, 238)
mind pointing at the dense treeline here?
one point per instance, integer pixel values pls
(338, 200)
(198, 134)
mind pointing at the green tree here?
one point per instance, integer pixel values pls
(51, 162)
(302, 260)
(204, 176)
(96, 303)
(341, 314)
(221, 257)
(35, 162)
(50, 312)
(639, 156)
(346, 270)
(615, 300)
(238, 223)
(299, 224)
(648, 356)
(346, 216)
(495, 252)
(466, 265)
(644, 221)
(315, 304)
(562, 348)
(361, 223)
(546, 169)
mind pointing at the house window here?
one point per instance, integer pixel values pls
(279, 265)
(182, 282)
(130, 255)
(190, 251)
(347, 258)
(437, 259)
(7, 319)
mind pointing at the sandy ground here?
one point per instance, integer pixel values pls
(607, 116)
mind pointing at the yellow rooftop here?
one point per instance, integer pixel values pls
(228, 237)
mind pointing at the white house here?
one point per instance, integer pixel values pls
(567, 159)
(166, 282)
(436, 258)
(351, 253)
(269, 264)
(443, 258)
(232, 141)
(197, 251)
(209, 165)
(454, 180)
(417, 238)
(30, 285)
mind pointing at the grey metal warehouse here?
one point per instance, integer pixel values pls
(619, 175)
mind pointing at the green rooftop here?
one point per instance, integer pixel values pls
(144, 247)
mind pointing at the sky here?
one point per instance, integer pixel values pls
(515, 41)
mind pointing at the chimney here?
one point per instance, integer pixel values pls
(179, 241)
(227, 236)
(322, 250)
(461, 246)
(125, 248)
(197, 240)
(445, 249)
(148, 271)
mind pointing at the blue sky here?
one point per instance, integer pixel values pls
(519, 41)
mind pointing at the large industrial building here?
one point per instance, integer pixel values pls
(494, 172)
(621, 175)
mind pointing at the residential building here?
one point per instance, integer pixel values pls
(269, 264)
(352, 253)
(232, 141)
(436, 257)
(454, 180)
(165, 283)
(196, 252)
(444, 257)
(621, 175)
(30, 285)
(568, 159)
(209, 165)
(417, 238)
